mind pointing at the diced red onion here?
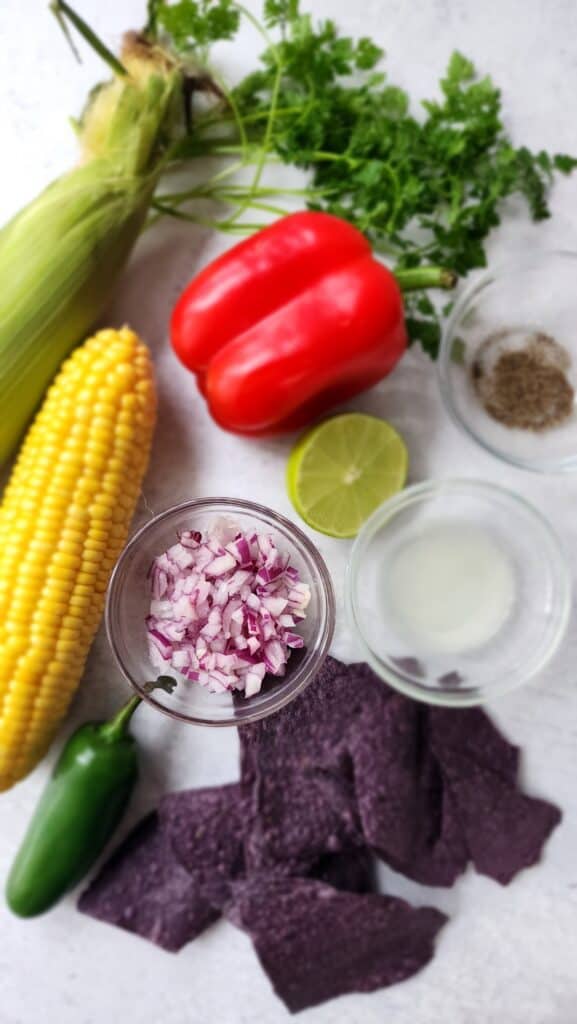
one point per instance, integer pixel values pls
(264, 544)
(239, 548)
(221, 565)
(238, 580)
(252, 623)
(221, 596)
(223, 531)
(275, 605)
(293, 640)
(203, 557)
(190, 538)
(268, 630)
(183, 557)
(233, 607)
(253, 679)
(162, 644)
(159, 582)
(223, 609)
(180, 660)
(174, 631)
(213, 625)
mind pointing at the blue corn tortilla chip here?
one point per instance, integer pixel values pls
(352, 761)
(316, 943)
(505, 830)
(350, 870)
(145, 890)
(296, 778)
(170, 879)
(472, 732)
(437, 788)
(205, 830)
(407, 815)
(349, 769)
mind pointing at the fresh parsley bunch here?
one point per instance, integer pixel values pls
(425, 189)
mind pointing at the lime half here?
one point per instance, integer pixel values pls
(340, 471)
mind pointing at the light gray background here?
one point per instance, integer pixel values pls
(508, 955)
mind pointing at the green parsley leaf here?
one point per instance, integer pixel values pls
(565, 164)
(425, 331)
(196, 23)
(280, 12)
(367, 54)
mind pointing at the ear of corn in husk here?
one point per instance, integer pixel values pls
(61, 255)
(64, 519)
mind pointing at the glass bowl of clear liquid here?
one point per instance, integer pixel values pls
(458, 591)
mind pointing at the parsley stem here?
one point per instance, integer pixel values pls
(273, 103)
(252, 203)
(215, 147)
(266, 190)
(318, 156)
(226, 172)
(415, 278)
(237, 117)
(173, 209)
(256, 115)
(242, 228)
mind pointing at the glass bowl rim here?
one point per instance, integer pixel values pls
(502, 268)
(426, 490)
(284, 693)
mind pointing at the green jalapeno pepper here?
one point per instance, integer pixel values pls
(78, 811)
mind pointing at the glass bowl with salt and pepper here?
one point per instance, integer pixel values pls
(508, 362)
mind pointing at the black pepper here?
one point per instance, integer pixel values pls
(522, 380)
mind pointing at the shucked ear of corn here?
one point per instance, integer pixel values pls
(61, 255)
(63, 522)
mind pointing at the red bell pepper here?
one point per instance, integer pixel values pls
(290, 322)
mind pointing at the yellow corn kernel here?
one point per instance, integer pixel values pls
(63, 522)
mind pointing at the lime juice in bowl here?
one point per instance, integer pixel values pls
(474, 602)
(458, 591)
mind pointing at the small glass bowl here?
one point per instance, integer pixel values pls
(536, 294)
(526, 637)
(128, 601)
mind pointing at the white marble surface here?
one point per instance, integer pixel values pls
(508, 954)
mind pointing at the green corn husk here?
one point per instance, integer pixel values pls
(60, 257)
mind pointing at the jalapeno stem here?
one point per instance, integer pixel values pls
(117, 727)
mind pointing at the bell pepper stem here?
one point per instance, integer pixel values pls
(414, 278)
(117, 727)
